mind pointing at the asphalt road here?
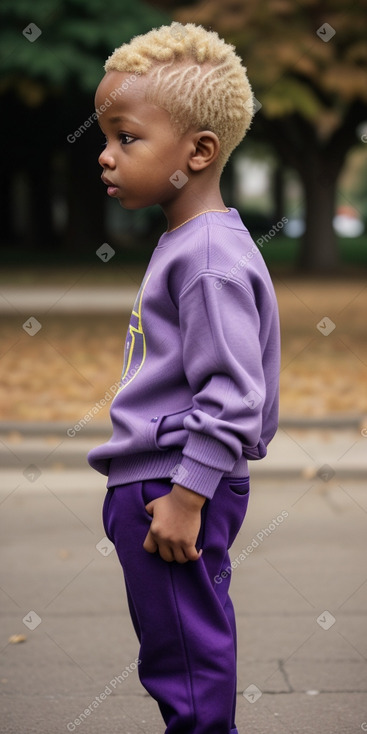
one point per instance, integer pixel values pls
(300, 595)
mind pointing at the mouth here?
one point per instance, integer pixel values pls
(112, 189)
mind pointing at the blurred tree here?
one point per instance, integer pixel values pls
(51, 60)
(307, 62)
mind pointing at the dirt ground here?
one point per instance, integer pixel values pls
(62, 372)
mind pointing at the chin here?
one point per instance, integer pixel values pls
(132, 206)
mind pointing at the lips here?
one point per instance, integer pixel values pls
(107, 181)
(112, 189)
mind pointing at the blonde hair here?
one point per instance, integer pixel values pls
(196, 76)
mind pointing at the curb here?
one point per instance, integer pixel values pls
(32, 460)
(60, 428)
(47, 447)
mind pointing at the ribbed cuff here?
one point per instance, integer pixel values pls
(197, 477)
(209, 451)
(204, 461)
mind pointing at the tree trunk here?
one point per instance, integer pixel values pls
(278, 192)
(228, 184)
(318, 167)
(41, 234)
(319, 164)
(319, 249)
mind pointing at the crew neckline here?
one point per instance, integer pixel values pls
(232, 219)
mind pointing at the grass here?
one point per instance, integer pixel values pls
(283, 250)
(40, 269)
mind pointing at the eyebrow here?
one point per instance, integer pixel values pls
(121, 118)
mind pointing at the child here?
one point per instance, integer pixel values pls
(199, 388)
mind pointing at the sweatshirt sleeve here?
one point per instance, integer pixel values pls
(222, 359)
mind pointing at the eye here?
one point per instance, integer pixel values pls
(126, 139)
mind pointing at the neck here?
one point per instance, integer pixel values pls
(192, 201)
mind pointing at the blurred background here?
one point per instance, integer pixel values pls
(71, 264)
(299, 180)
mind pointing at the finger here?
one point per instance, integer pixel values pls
(192, 554)
(166, 552)
(179, 555)
(149, 543)
(149, 507)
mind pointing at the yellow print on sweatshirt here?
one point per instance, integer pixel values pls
(135, 346)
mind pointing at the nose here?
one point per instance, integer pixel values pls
(106, 160)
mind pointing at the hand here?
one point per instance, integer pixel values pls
(175, 525)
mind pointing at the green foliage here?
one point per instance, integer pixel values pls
(285, 251)
(289, 96)
(307, 57)
(76, 38)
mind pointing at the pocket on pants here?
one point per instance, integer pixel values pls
(240, 486)
(152, 489)
(238, 492)
(105, 512)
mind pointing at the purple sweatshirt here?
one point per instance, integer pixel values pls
(199, 387)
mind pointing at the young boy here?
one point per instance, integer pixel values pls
(199, 388)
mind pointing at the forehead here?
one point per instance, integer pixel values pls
(121, 92)
(119, 84)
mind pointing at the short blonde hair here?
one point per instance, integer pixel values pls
(196, 76)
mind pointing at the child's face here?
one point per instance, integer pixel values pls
(142, 149)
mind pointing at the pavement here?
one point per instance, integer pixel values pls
(299, 585)
(74, 299)
(299, 577)
(299, 449)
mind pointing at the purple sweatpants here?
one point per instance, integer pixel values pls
(182, 613)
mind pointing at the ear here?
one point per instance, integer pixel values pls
(206, 147)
